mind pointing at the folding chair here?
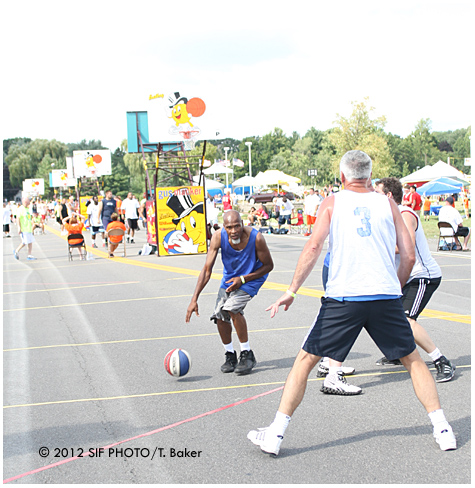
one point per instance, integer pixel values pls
(77, 245)
(118, 232)
(446, 231)
(296, 223)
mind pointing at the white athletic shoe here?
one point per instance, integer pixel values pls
(337, 385)
(266, 440)
(445, 438)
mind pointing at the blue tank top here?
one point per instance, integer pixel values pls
(240, 263)
(108, 208)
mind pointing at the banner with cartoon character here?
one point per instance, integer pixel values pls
(181, 220)
(34, 186)
(59, 177)
(151, 229)
(92, 163)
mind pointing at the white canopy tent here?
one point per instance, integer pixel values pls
(275, 177)
(209, 184)
(218, 169)
(438, 170)
(245, 181)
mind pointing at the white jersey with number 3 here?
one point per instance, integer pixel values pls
(362, 244)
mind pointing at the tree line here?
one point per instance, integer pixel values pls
(392, 155)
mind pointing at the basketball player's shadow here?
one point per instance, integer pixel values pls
(461, 429)
(401, 374)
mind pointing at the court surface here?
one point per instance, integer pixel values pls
(84, 343)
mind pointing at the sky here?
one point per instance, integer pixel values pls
(73, 69)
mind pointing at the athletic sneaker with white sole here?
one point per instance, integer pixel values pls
(323, 369)
(336, 384)
(267, 440)
(445, 438)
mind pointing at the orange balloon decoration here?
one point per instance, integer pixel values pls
(196, 107)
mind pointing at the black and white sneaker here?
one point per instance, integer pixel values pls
(128, 240)
(246, 362)
(231, 362)
(445, 370)
(389, 362)
(337, 385)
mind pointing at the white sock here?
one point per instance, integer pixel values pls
(435, 354)
(244, 346)
(333, 370)
(280, 423)
(229, 347)
(438, 419)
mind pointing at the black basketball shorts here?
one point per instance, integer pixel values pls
(338, 325)
(416, 294)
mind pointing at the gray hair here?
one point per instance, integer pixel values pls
(356, 165)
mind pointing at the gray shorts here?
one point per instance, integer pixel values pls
(234, 302)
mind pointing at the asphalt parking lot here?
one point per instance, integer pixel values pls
(84, 343)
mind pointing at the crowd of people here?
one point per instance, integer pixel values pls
(102, 214)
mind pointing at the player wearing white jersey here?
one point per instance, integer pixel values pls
(363, 234)
(425, 278)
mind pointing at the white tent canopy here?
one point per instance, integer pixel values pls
(217, 169)
(209, 184)
(245, 181)
(275, 177)
(429, 173)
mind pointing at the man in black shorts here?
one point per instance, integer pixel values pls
(363, 290)
(131, 205)
(107, 206)
(425, 278)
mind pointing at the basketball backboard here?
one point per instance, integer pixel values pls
(92, 163)
(171, 117)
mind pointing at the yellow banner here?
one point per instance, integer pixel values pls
(181, 220)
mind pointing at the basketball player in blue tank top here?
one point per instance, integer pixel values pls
(247, 262)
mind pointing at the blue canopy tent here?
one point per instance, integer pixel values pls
(438, 188)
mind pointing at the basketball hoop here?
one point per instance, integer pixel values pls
(189, 142)
(93, 172)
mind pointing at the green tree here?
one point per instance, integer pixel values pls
(84, 146)
(360, 131)
(23, 160)
(424, 144)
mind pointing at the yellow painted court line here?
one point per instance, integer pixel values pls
(101, 303)
(72, 287)
(267, 285)
(197, 390)
(188, 336)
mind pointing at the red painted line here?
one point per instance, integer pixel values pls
(161, 429)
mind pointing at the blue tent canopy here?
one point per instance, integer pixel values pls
(436, 187)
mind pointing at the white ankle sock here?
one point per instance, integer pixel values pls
(229, 347)
(280, 423)
(244, 346)
(437, 417)
(435, 354)
(333, 370)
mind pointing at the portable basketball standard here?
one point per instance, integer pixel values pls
(177, 362)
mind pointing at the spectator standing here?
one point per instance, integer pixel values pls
(466, 205)
(312, 201)
(7, 219)
(286, 210)
(426, 207)
(227, 203)
(25, 229)
(415, 200)
(107, 207)
(130, 206)
(93, 212)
